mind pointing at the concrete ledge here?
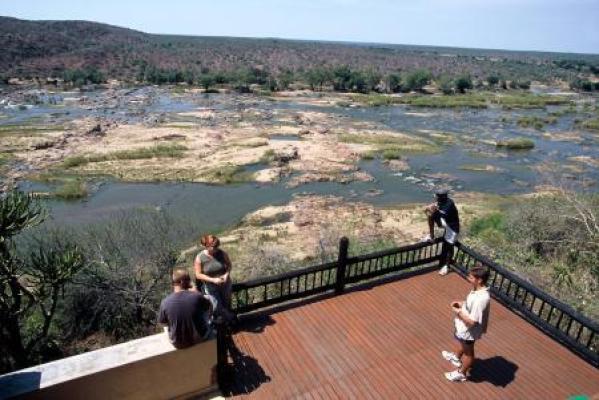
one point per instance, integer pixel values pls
(146, 368)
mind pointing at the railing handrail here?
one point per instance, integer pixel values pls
(552, 301)
(394, 250)
(264, 280)
(284, 275)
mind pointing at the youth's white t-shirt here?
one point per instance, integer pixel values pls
(476, 307)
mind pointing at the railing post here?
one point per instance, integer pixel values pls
(446, 256)
(341, 265)
(221, 353)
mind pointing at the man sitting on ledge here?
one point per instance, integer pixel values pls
(185, 312)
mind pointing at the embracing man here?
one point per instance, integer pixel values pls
(185, 312)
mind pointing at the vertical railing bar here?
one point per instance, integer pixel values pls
(549, 315)
(494, 279)
(579, 331)
(501, 283)
(590, 340)
(523, 303)
(541, 309)
(559, 320)
(569, 325)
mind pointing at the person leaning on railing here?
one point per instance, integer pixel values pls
(445, 214)
(185, 312)
(212, 269)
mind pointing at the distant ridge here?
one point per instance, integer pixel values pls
(47, 48)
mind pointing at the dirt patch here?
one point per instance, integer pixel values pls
(310, 225)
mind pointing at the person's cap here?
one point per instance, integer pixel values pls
(441, 193)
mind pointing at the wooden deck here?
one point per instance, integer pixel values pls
(384, 341)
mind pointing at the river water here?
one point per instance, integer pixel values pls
(216, 207)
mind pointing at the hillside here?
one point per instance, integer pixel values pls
(47, 48)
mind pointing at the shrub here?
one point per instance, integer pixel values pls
(463, 83)
(417, 80)
(492, 80)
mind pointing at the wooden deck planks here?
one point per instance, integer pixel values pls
(385, 341)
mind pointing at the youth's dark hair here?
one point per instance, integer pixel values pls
(181, 278)
(480, 272)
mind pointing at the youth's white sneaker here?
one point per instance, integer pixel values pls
(452, 358)
(426, 239)
(444, 270)
(455, 376)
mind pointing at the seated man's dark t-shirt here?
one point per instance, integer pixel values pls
(184, 313)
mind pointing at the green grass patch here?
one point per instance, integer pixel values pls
(392, 144)
(469, 100)
(516, 144)
(28, 130)
(479, 168)
(267, 157)
(248, 143)
(228, 174)
(592, 124)
(536, 122)
(374, 100)
(392, 154)
(5, 158)
(527, 100)
(72, 190)
(368, 155)
(343, 103)
(566, 110)
(161, 150)
(451, 101)
(179, 125)
(493, 221)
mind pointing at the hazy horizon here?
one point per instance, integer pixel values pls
(529, 25)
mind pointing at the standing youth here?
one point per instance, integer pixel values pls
(470, 323)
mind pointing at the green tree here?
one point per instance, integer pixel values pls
(189, 76)
(416, 80)
(30, 290)
(372, 78)
(492, 80)
(463, 83)
(317, 77)
(393, 83)
(284, 79)
(206, 81)
(445, 84)
(342, 76)
(357, 81)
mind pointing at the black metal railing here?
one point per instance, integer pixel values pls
(555, 318)
(333, 276)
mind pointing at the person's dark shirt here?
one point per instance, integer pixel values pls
(449, 212)
(183, 312)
